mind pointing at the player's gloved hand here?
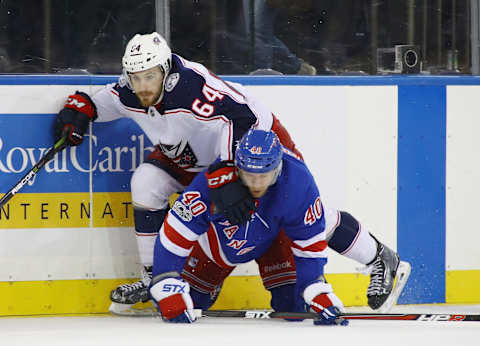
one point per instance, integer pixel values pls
(228, 194)
(325, 303)
(172, 297)
(73, 119)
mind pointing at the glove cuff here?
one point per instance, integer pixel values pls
(220, 174)
(172, 306)
(82, 103)
(315, 289)
(220, 164)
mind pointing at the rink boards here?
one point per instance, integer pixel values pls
(399, 153)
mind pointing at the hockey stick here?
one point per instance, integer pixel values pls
(59, 146)
(266, 314)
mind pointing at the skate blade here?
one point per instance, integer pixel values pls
(128, 310)
(403, 272)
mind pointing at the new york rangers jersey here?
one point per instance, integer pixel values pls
(200, 118)
(292, 203)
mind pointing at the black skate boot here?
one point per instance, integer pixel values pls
(135, 292)
(382, 276)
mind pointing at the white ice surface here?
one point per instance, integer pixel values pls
(108, 330)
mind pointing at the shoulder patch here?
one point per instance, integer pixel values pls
(182, 211)
(122, 81)
(171, 81)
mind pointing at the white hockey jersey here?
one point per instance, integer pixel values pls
(200, 118)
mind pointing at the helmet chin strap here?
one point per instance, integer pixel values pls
(165, 75)
(278, 171)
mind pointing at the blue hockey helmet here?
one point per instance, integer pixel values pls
(259, 152)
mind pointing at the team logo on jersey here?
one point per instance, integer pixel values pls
(246, 250)
(237, 244)
(171, 82)
(230, 231)
(181, 153)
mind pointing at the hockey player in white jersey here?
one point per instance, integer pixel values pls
(192, 117)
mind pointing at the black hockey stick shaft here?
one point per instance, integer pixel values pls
(59, 146)
(265, 314)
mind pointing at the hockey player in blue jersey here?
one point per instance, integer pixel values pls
(192, 117)
(286, 197)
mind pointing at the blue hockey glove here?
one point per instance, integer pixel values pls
(172, 298)
(321, 299)
(330, 316)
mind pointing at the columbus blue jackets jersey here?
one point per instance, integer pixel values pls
(200, 118)
(292, 203)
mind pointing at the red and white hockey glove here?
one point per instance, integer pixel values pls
(73, 119)
(172, 297)
(228, 194)
(325, 303)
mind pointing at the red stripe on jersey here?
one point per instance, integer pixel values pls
(230, 138)
(199, 285)
(315, 247)
(215, 247)
(196, 116)
(279, 281)
(175, 237)
(134, 109)
(146, 234)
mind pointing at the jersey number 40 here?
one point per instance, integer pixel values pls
(313, 213)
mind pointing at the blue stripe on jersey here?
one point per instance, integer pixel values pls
(421, 191)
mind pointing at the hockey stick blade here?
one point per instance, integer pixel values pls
(266, 314)
(59, 146)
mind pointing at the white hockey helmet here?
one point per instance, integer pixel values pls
(146, 51)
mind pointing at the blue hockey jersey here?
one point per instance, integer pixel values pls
(292, 203)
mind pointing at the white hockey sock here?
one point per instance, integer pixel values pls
(146, 244)
(363, 249)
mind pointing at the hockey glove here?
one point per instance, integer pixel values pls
(172, 298)
(73, 119)
(228, 194)
(325, 303)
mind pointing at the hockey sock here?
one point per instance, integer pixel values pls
(351, 240)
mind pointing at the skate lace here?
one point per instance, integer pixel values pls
(127, 288)
(144, 282)
(376, 271)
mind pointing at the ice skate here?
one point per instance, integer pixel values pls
(388, 276)
(125, 296)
